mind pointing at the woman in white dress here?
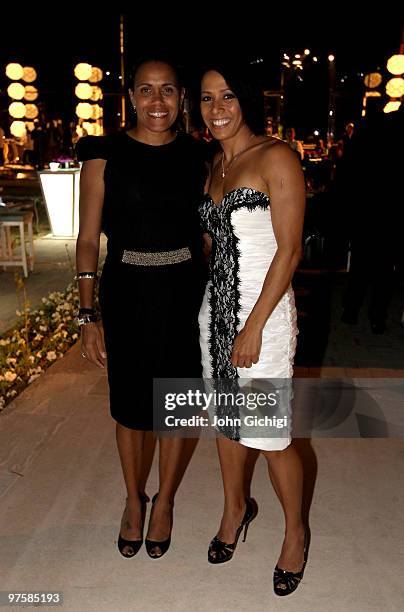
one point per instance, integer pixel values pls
(253, 215)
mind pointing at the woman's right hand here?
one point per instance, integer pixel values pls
(92, 344)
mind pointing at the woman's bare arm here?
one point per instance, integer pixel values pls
(87, 250)
(284, 178)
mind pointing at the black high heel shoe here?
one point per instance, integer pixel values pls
(163, 545)
(133, 544)
(220, 552)
(286, 582)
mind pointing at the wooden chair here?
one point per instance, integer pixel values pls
(8, 257)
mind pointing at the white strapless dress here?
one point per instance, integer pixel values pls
(243, 247)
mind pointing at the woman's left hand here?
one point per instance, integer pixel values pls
(246, 348)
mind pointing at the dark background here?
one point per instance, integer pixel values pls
(54, 42)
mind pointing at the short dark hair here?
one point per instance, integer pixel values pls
(162, 58)
(245, 86)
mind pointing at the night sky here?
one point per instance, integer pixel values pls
(53, 48)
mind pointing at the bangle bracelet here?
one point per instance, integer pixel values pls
(86, 318)
(89, 311)
(80, 275)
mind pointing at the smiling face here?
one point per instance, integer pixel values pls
(157, 98)
(220, 108)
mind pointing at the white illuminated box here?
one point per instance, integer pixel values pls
(60, 189)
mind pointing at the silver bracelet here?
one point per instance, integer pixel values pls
(86, 318)
(80, 275)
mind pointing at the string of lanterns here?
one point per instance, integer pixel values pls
(22, 113)
(394, 87)
(89, 93)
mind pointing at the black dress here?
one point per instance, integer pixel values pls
(149, 312)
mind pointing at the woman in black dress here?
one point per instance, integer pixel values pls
(141, 188)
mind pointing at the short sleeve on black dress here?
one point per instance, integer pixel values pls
(91, 147)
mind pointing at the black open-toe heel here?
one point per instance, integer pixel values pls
(286, 582)
(133, 544)
(220, 552)
(163, 545)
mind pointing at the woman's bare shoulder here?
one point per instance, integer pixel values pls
(277, 151)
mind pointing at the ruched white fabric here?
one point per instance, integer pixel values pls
(246, 214)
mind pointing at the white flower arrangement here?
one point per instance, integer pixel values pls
(38, 340)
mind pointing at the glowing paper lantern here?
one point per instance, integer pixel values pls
(83, 91)
(17, 110)
(395, 87)
(17, 128)
(16, 91)
(97, 112)
(96, 75)
(89, 127)
(97, 129)
(83, 71)
(29, 74)
(84, 110)
(31, 111)
(395, 65)
(373, 79)
(31, 93)
(391, 106)
(30, 125)
(96, 93)
(14, 71)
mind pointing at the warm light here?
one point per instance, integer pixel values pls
(96, 93)
(61, 191)
(331, 58)
(395, 65)
(96, 75)
(84, 110)
(297, 55)
(373, 79)
(83, 71)
(17, 128)
(395, 87)
(97, 111)
(17, 110)
(83, 91)
(315, 59)
(297, 62)
(31, 93)
(30, 125)
(307, 51)
(16, 91)
(286, 56)
(392, 106)
(14, 71)
(89, 127)
(29, 74)
(31, 111)
(363, 113)
(373, 94)
(97, 129)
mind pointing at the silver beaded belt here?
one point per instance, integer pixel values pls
(160, 258)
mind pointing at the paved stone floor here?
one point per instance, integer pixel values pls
(62, 492)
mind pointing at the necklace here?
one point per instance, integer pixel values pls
(225, 170)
